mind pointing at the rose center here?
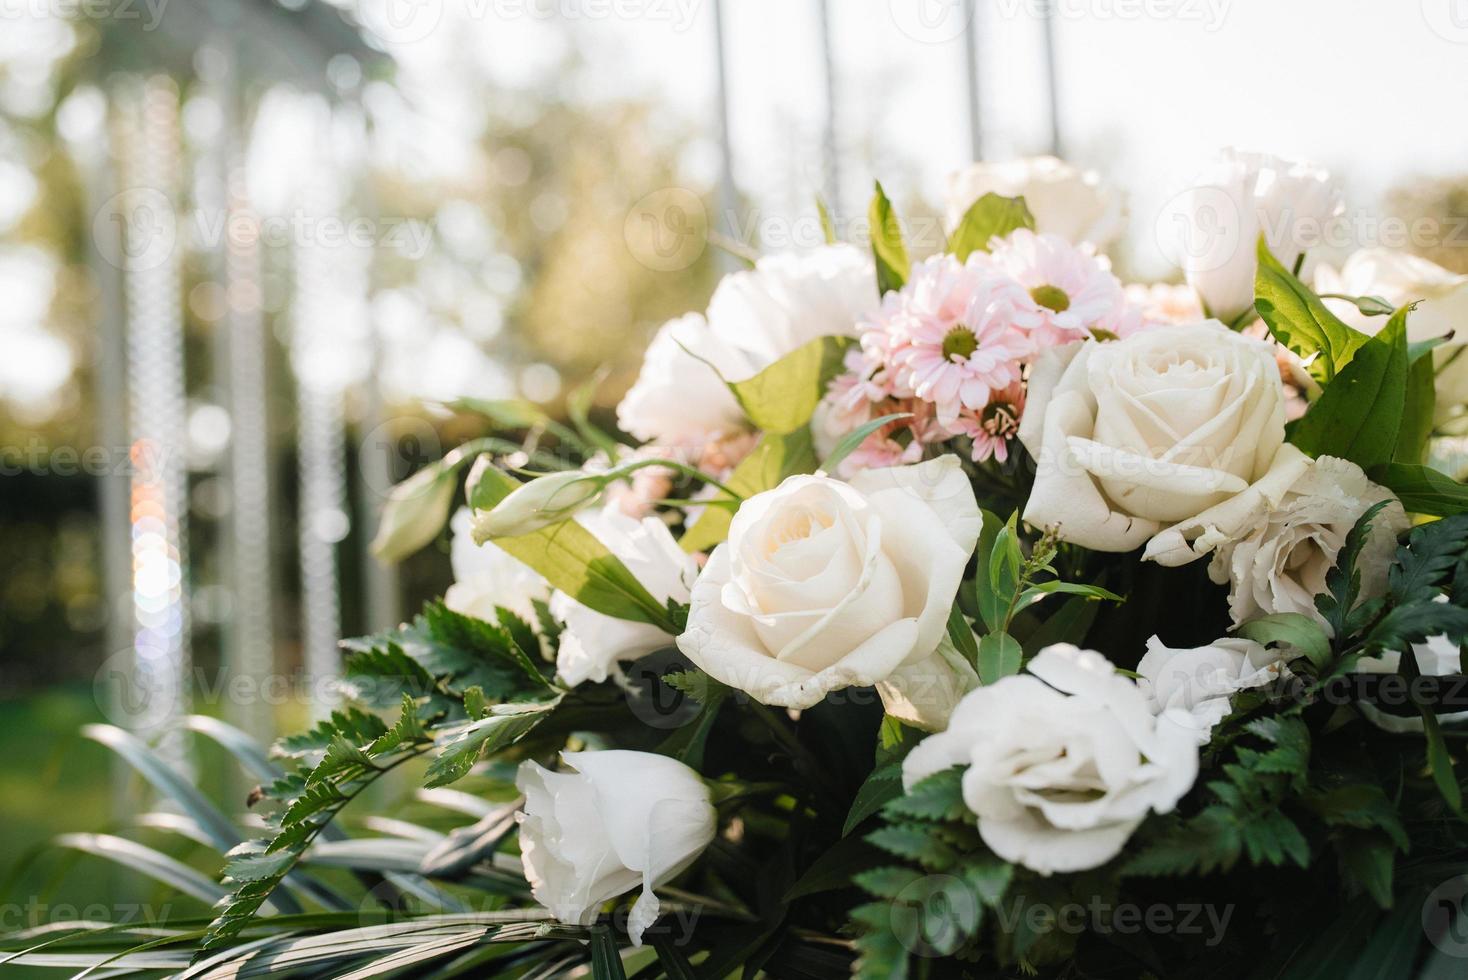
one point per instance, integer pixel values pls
(1051, 297)
(959, 341)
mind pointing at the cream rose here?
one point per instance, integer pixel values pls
(1063, 199)
(1133, 436)
(1063, 763)
(1201, 681)
(824, 584)
(1280, 562)
(620, 820)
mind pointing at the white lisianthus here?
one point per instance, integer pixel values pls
(486, 576)
(824, 584)
(1218, 220)
(679, 398)
(1279, 563)
(755, 318)
(790, 299)
(592, 642)
(1063, 763)
(1400, 278)
(1199, 681)
(1132, 436)
(621, 820)
(1063, 199)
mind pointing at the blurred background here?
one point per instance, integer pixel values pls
(254, 254)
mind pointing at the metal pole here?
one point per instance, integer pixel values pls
(728, 196)
(971, 62)
(832, 174)
(150, 159)
(1052, 88)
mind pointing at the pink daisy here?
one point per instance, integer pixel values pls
(995, 425)
(949, 336)
(1066, 289)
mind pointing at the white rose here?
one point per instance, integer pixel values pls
(824, 585)
(1218, 221)
(1400, 278)
(1063, 199)
(754, 319)
(1131, 436)
(679, 398)
(486, 576)
(1199, 682)
(592, 642)
(790, 299)
(1063, 763)
(1279, 563)
(622, 819)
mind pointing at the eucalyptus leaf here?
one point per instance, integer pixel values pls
(1000, 656)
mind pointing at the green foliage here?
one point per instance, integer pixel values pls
(1292, 631)
(782, 397)
(574, 561)
(991, 216)
(888, 249)
(1300, 321)
(853, 439)
(1422, 489)
(1359, 415)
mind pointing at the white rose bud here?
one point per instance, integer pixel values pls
(824, 585)
(1217, 223)
(538, 504)
(1279, 563)
(1131, 436)
(620, 820)
(1063, 763)
(1199, 682)
(1063, 199)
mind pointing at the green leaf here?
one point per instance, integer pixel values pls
(1300, 321)
(1343, 581)
(915, 842)
(991, 216)
(828, 227)
(775, 458)
(1000, 656)
(853, 439)
(1293, 630)
(1417, 413)
(782, 397)
(1368, 860)
(888, 249)
(937, 797)
(174, 874)
(1359, 416)
(673, 962)
(1035, 593)
(461, 747)
(883, 784)
(961, 633)
(834, 869)
(606, 962)
(1360, 806)
(574, 561)
(991, 609)
(1422, 489)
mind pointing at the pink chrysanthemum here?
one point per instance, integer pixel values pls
(949, 337)
(1066, 289)
(994, 426)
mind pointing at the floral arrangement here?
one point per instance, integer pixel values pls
(973, 615)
